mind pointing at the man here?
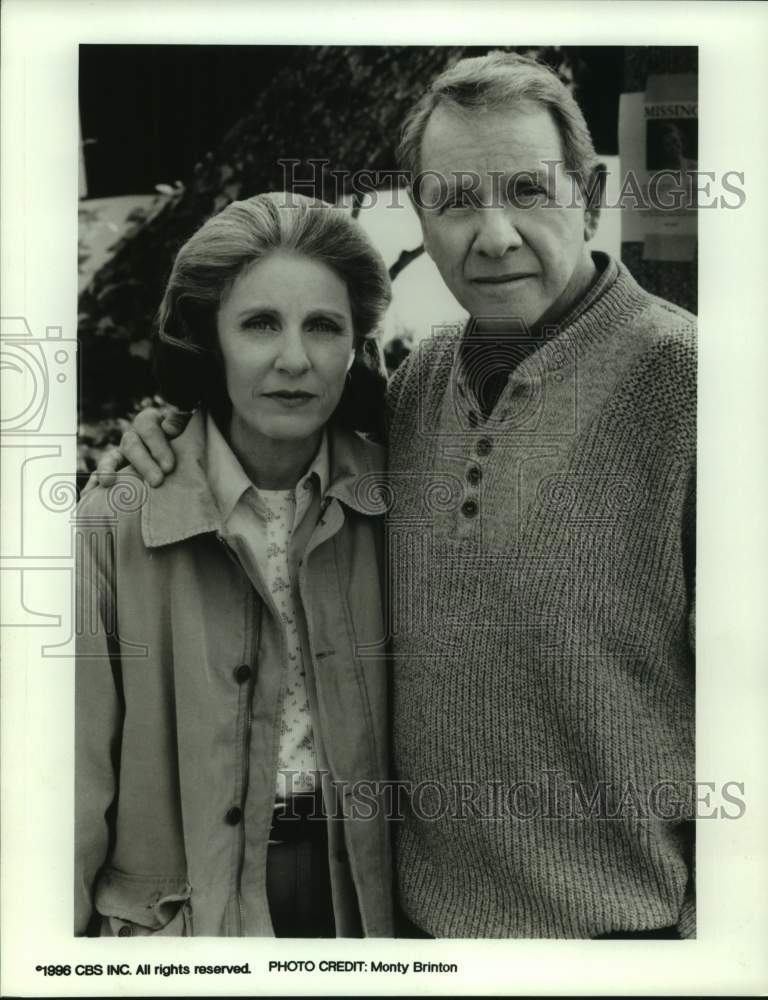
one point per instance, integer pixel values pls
(540, 542)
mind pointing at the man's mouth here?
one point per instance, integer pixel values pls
(499, 279)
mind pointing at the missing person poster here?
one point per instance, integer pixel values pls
(421, 649)
(658, 142)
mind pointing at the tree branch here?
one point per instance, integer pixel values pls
(404, 260)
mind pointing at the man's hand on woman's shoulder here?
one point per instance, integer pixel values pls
(144, 446)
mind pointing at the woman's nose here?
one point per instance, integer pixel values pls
(497, 232)
(292, 356)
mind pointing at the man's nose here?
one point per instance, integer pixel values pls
(292, 356)
(497, 233)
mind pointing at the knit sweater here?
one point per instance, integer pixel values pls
(542, 577)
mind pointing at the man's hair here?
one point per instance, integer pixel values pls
(187, 358)
(501, 81)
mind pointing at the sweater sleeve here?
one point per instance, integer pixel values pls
(689, 554)
(686, 922)
(98, 710)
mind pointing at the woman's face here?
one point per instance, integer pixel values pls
(286, 338)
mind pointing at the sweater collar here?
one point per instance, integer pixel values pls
(185, 505)
(612, 299)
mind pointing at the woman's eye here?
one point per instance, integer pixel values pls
(321, 324)
(261, 322)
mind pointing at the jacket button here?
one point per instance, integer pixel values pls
(469, 508)
(243, 673)
(125, 931)
(484, 446)
(474, 475)
(234, 815)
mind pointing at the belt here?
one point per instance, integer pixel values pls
(300, 817)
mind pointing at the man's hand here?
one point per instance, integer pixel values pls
(145, 446)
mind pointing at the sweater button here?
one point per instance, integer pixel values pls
(243, 673)
(474, 475)
(125, 931)
(484, 447)
(233, 815)
(469, 508)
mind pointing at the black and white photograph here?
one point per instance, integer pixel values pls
(381, 475)
(491, 660)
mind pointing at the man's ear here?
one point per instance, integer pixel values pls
(420, 217)
(591, 222)
(593, 200)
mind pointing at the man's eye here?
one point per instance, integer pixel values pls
(459, 201)
(528, 191)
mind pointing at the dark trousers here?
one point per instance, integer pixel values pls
(298, 877)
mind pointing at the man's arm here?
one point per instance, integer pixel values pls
(144, 446)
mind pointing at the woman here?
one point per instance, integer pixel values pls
(231, 697)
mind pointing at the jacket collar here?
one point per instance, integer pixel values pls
(228, 480)
(185, 506)
(357, 470)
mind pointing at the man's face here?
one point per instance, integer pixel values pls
(517, 246)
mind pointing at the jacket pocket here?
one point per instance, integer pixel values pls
(137, 905)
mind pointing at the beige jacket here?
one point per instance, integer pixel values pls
(171, 735)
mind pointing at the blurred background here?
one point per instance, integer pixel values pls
(170, 134)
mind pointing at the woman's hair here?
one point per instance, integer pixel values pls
(187, 358)
(501, 81)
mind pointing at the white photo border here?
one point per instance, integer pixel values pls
(39, 174)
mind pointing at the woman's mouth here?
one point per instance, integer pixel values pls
(290, 398)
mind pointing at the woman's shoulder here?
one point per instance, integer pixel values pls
(357, 452)
(122, 503)
(108, 528)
